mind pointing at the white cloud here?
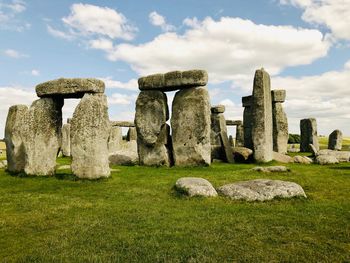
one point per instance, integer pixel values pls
(59, 34)
(115, 84)
(121, 99)
(91, 20)
(14, 53)
(35, 72)
(159, 20)
(230, 49)
(334, 14)
(9, 15)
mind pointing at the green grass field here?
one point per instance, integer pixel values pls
(136, 216)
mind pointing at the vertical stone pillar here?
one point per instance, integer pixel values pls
(335, 140)
(191, 127)
(90, 129)
(308, 134)
(132, 134)
(247, 121)
(153, 134)
(231, 141)
(14, 130)
(115, 139)
(280, 122)
(65, 147)
(42, 136)
(239, 135)
(262, 117)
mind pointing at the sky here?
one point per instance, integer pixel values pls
(303, 44)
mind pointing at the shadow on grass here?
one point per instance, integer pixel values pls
(340, 168)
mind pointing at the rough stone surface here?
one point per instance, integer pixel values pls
(3, 164)
(239, 136)
(242, 154)
(174, 80)
(14, 130)
(271, 169)
(218, 109)
(335, 140)
(278, 95)
(342, 156)
(262, 117)
(65, 146)
(69, 88)
(308, 134)
(227, 147)
(90, 130)
(261, 190)
(313, 150)
(247, 121)
(217, 126)
(191, 127)
(302, 159)
(282, 158)
(193, 186)
(132, 134)
(326, 159)
(123, 123)
(293, 148)
(115, 139)
(125, 155)
(42, 138)
(234, 122)
(153, 134)
(231, 141)
(280, 128)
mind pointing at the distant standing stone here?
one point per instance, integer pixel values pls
(193, 186)
(66, 139)
(262, 117)
(261, 190)
(280, 122)
(239, 136)
(14, 138)
(132, 134)
(90, 129)
(247, 121)
(115, 139)
(335, 140)
(190, 122)
(308, 134)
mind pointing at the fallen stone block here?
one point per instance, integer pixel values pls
(193, 186)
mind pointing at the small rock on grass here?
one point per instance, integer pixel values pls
(193, 186)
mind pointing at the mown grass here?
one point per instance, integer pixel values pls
(136, 216)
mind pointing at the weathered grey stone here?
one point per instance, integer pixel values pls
(342, 156)
(193, 186)
(278, 95)
(271, 169)
(313, 150)
(227, 147)
(302, 159)
(115, 139)
(174, 80)
(218, 109)
(242, 154)
(335, 140)
(42, 136)
(191, 127)
(247, 121)
(239, 136)
(247, 101)
(127, 155)
(90, 130)
(69, 88)
(3, 164)
(262, 117)
(261, 190)
(282, 158)
(65, 146)
(308, 134)
(234, 122)
(123, 123)
(326, 159)
(217, 125)
(14, 130)
(293, 148)
(132, 134)
(231, 141)
(280, 128)
(153, 134)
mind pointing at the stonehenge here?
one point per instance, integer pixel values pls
(247, 121)
(65, 145)
(280, 122)
(308, 134)
(335, 140)
(239, 131)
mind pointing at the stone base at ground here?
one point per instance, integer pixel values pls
(282, 158)
(193, 186)
(271, 169)
(242, 154)
(302, 159)
(261, 190)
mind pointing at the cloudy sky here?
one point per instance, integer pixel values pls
(303, 44)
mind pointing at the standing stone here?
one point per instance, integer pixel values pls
(218, 124)
(262, 117)
(239, 135)
(191, 127)
(14, 138)
(335, 140)
(308, 134)
(115, 139)
(42, 136)
(231, 141)
(65, 147)
(247, 121)
(90, 129)
(280, 122)
(132, 134)
(153, 134)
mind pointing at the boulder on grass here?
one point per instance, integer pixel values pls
(302, 159)
(282, 158)
(326, 159)
(261, 190)
(242, 154)
(193, 186)
(271, 169)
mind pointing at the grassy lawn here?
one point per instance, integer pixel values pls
(136, 216)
